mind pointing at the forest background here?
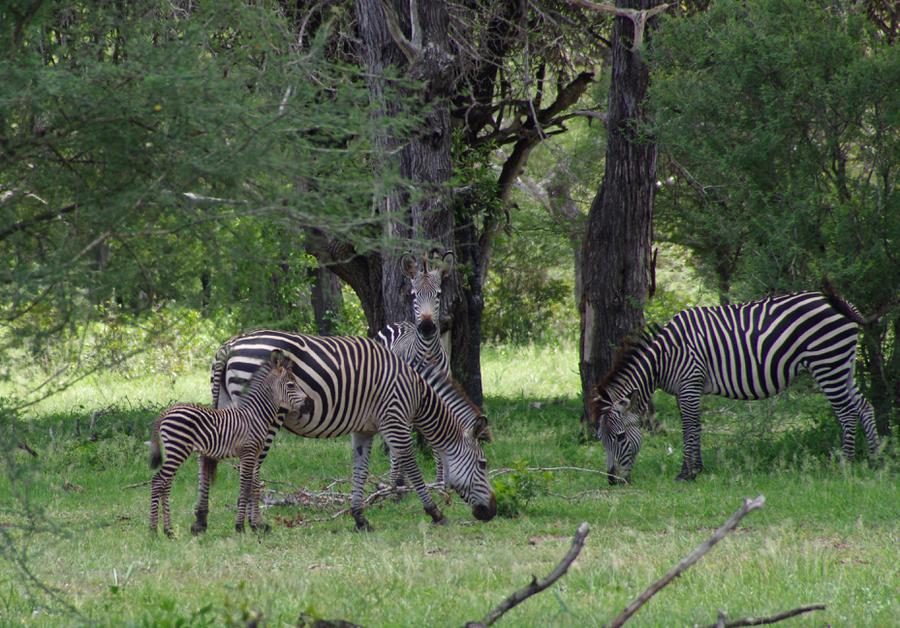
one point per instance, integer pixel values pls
(172, 173)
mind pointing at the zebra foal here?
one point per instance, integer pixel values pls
(749, 350)
(241, 431)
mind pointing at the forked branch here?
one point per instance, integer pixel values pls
(638, 17)
(536, 586)
(749, 506)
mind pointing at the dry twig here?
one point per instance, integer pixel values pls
(536, 586)
(690, 559)
(760, 621)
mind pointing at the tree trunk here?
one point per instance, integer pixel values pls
(327, 300)
(616, 249)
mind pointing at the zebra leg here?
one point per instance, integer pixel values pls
(255, 518)
(439, 471)
(362, 447)
(400, 443)
(207, 472)
(845, 400)
(161, 486)
(689, 406)
(248, 465)
(867, 421)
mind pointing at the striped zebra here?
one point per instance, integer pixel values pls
(241, 431)
(420, 342)
(358, 387)
(742, 351)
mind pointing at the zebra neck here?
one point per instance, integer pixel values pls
(260, 404)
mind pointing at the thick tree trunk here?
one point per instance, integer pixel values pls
(424, 159)
(327, 300)
(616, 248)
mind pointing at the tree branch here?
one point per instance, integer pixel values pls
(42, 217)
(638, 17)
(408, 48)
(536, 586)
(760, 621)
(749, 506)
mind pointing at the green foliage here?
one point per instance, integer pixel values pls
(779, 126)
(514, 490)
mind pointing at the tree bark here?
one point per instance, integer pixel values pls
(616, 250)
(327, 300)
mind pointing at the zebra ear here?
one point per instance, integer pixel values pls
(278, 358)
(409, 265)
(480, 430)
(622, 405)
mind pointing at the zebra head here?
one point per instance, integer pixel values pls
(465, 471)
(426, 288)
(285, 387)
(618, 428)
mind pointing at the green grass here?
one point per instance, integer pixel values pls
(828, 533)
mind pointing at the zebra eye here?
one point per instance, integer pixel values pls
(482, 464)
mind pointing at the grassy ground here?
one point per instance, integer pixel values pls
(828, 533)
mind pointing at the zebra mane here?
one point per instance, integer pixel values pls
(631, 346)
(432, 375)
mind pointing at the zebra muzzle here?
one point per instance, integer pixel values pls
(485, 513)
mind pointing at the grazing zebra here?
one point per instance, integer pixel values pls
(742, 351)
(358, 387)
(241, 431)
(420, 342)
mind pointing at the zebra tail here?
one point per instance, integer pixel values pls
(155, 448)
(842, 305)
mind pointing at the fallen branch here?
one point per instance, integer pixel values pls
(536, 586)
(760, 621)
(749, 506)
(139, 484)
(24, 446)
(503, 470)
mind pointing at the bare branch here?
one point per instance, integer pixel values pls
(774, 619)
(749, 506)
(42, 217)
(408, 48)
(638, 17)
(536, 586)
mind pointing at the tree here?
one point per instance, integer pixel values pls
(779, 125)
(616, 259)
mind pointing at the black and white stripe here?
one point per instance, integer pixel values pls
(743, 351)
(242, 431)
(358, 387)
(419, 342)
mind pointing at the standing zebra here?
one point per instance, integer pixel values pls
(420, 342)
(241, 431)
(358, 387)
(743, 351)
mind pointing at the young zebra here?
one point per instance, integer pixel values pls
(243, 431)
(743, 351)
(358, 387)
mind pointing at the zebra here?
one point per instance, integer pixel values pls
(358, 387)
(240, 431)
(420, 342)
(748, 350)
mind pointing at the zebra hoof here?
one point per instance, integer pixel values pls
(261, 528)
(364, 526)
(443, 521)
(198, 528)
(169, 533)
(239, 528)
(685, 477)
